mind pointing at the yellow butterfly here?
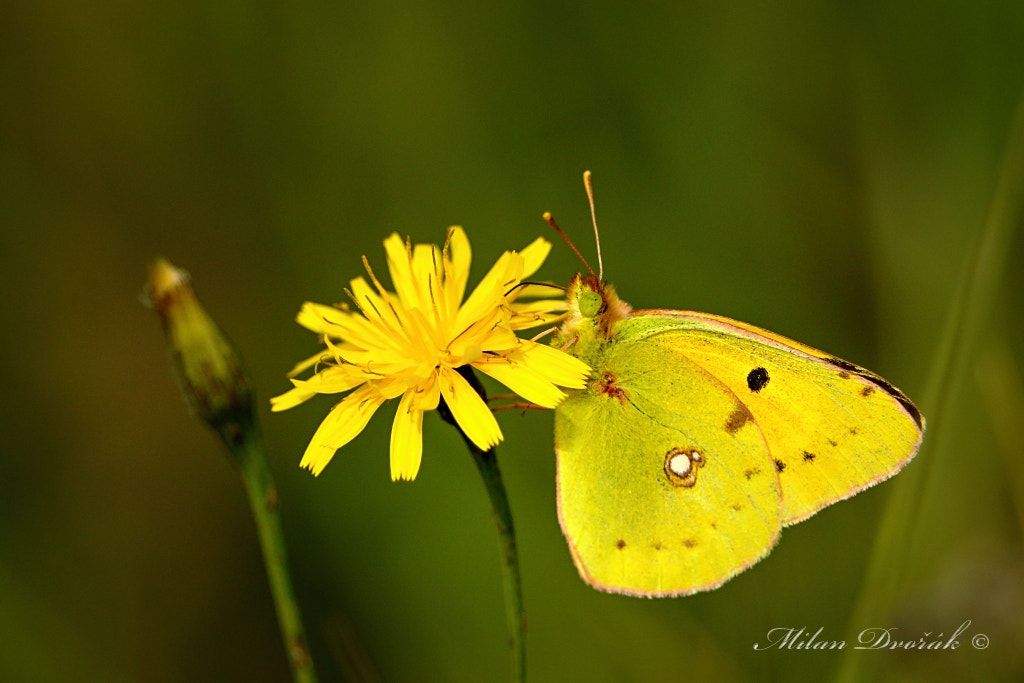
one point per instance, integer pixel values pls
(698, 438)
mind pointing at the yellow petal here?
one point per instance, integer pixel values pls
(490, 293)
(469, 410)
(306, 364)
(459, 257)
(406, 439)
(393, 386)
(540, 305)
(341, 425)
(500, 339)
(322, 319)
(537, 291)
(524, 381)
(424, 336)
(536, 313)
(337, 324)
(400, 269)
(479, 334)
(333, 380)
(554, 365)
(373, 306)
(427, 394)
(290, 399)
(534, 255)
(425, 267)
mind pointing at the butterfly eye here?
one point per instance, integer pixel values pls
(590, 304)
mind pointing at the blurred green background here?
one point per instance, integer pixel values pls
(811, 167)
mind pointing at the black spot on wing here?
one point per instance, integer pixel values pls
(620, 544)
(808, 456)
(780, 466)
(867, 391)
(757, 379)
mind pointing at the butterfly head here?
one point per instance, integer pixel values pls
(594, 308)
(593, 305)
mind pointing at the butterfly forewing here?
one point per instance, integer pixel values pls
(832, 428)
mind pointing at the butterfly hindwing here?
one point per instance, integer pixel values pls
(657, 496)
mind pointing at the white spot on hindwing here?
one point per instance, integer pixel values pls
(681, 465)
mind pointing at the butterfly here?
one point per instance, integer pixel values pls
(698, 438)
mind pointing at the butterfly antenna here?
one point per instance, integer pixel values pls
(589, 184)
(551, 221)
(531, 283)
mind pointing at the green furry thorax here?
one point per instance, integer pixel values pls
(587, 336)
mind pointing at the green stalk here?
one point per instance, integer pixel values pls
(213, 380)
(262, 493)
(487, 464)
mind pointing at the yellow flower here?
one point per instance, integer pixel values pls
(409, 343)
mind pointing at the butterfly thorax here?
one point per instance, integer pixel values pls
(594, 309)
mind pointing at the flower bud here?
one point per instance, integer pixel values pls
(208, 369)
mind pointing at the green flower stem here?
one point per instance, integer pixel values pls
(262, 492)
(213, 379)
(487, 463)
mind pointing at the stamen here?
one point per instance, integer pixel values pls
(434, 305)
(391, 336)
(448, 275)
